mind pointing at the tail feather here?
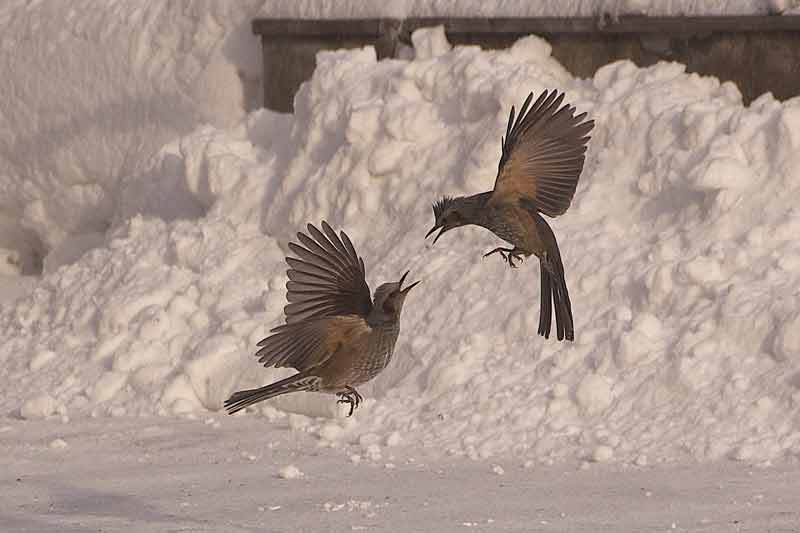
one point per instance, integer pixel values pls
(554, 289)
(565, 328)
(244, 398)
(555, 295)
(545, 307)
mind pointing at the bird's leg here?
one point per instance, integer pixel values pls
(350, 396)
(509, 254)
(515, 254)
(355, 394)
(502, 251)
(345, 397)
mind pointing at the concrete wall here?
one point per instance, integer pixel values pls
(759, 53)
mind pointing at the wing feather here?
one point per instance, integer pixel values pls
(304, 345)
(543, 154)
(326, 277)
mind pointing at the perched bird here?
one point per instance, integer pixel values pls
(334, 335)
(541, 161)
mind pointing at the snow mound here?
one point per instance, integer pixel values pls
(96, 90)
(679, 250)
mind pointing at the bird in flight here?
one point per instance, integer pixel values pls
(335, 336)
(542, 158)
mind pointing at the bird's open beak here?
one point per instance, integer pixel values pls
(437, 235)
(405, 291)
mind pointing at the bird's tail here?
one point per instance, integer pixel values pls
(554, 293)
(244, 398)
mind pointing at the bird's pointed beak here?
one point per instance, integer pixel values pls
(407, 289)
(402, 279)
(434, 228)
(437, 235)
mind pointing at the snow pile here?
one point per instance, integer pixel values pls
(679, 251)
(92, 91)
(97, 89)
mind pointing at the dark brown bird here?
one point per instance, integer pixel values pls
(334, 335)
(541, 161)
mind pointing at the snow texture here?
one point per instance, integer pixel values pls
(96, 90)
(290, 472)
(161, 211)
(145, 474)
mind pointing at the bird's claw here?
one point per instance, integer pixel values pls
(352, 397)
(349, 400)
(512, 255)
(501, 251)
(508, 254)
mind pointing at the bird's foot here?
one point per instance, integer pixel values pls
(355, 393)
(346, 398)
(514, 254)
(350, 396)
(509, 255)
(502, 251)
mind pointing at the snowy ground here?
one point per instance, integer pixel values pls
(143, 225)
(231, 474)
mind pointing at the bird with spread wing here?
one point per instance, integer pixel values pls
(542, 158)
(335, 336)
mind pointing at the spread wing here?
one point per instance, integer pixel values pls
(307, 344)
(543, 154)
(326, 278)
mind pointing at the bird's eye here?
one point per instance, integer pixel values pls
(388, 306)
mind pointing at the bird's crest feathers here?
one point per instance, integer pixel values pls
(440, 206)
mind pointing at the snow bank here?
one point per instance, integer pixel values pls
(91, 92)
(679, 250)
(97, 89)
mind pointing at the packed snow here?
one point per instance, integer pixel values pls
(144, 220)
(223, 474)
(678, 249)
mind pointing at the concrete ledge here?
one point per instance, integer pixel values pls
(758, 53)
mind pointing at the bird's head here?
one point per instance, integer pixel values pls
(448, 213)
(389, 297)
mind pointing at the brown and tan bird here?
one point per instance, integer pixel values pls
(541, 161)
(334, 335)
